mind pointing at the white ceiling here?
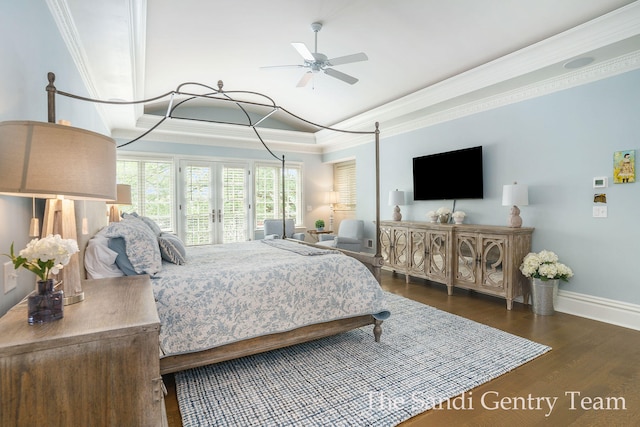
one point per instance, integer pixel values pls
(425, 56)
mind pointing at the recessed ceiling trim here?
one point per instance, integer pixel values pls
(182, 131)
(332, 142)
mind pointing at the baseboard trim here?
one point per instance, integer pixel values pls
(601, 309)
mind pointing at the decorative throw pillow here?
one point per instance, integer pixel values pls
(172, 249)
(141, 245)
(152, 225)
(99, 260)
(118, 245)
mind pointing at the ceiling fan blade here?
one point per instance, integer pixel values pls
(356, 57)
(282, 66)
(303, 51)
(305, 79)
(341, 76)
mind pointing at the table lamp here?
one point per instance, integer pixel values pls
(396, 198)
(513, 195)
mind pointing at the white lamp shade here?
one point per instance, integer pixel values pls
(331, 197)
(515, 195)
(45, 160)
(396, 198)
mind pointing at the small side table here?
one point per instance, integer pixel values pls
(314, 233)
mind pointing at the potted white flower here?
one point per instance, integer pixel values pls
(458, 216)
(545, 272)
(444, 214)
(45, 257)
(433, 217)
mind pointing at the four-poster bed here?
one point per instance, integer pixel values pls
(178, 360)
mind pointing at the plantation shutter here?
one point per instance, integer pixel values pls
(152, 189)
(234, 209)
(344, 182)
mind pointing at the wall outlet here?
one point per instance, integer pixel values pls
(369, 243)
(10, 277)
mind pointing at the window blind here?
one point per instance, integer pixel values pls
(344, 182)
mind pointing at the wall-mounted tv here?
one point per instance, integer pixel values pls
(449, 176)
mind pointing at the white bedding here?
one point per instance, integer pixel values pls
(231, 292)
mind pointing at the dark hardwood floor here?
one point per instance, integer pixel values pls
(593, 369)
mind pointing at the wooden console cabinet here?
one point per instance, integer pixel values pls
(97, 366)
(482, 258)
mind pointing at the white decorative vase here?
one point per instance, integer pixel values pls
(458, 219)
(543, 295)
(433, 218)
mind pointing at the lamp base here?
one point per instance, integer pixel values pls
(514, 220)
(397, 216)
(73, 299)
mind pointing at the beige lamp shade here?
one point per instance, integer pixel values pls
(124, 194)
(45, 160)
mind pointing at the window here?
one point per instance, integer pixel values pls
(268, 190)
(344, 182)
(152, 189)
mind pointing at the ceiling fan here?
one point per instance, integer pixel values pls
(317, 62)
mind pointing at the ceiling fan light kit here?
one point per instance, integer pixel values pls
(316, 62)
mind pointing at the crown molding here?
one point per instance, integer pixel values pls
(399, 116)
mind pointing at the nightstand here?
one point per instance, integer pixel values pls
(98, 365)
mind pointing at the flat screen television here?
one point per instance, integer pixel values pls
(449, 176)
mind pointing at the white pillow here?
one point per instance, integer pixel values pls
(99, 260)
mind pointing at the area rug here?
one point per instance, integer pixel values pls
(425, 357)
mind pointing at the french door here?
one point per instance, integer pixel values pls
(214, 206)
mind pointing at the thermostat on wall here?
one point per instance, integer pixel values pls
(599, 182)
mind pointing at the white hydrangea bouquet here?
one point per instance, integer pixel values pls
(544, 265)
(443, 211)
(45, 256)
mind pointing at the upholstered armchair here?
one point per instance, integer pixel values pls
(273, 229)
(349, 236)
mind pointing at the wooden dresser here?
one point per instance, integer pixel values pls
(483, 258)
(97, 366)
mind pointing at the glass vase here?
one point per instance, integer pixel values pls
(46, 304)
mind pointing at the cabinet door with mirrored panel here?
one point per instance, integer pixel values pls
(418, 252)
(465, 266)
(437, 255)
(493, 249)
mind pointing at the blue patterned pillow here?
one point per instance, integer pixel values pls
(141, 244)
(172, 249)
(152, 225)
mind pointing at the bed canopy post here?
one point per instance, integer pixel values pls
(377, 139)
(284, 229)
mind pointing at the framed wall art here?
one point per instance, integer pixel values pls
(624, 167)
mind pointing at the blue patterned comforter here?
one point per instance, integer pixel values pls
(231, 292)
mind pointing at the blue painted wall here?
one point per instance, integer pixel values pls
(555, 144)
(31, 47)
